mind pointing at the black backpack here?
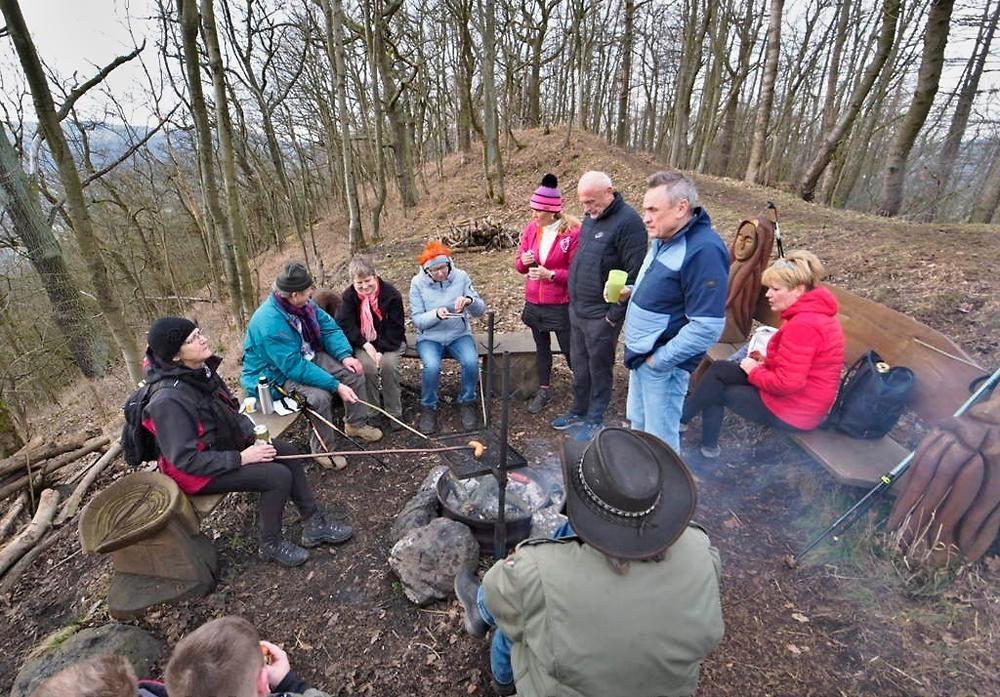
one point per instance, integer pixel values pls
(138, 444)
(871, 398)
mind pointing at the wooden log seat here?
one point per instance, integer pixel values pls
(151, 530)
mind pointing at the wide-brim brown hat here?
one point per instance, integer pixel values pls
(627, 492)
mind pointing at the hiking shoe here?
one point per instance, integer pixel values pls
(428, 421)
(503, 689)
(283, 552)
(367, 433)
(711, 453)
(466, 590)
(567, 420)
(470, 419)
(337, 462)
(587, 430)
(394, 426)
(318, 529)
(540, 400)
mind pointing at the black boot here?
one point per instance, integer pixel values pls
(502, 689)
(466, 589)
(540, 400)
(428, 421)
(318, 529)
(470, 416)
(283, 552)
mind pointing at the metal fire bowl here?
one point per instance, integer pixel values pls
(517, 528)
(464, 466)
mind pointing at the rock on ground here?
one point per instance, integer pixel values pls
(141, 648)
(421, 509)
(545, 521)
(426, 559)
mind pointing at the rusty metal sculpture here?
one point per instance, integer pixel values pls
(951, 501)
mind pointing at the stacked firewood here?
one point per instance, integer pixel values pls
(487, 233)
(28, 520)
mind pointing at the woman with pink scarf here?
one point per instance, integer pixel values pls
(371, 316)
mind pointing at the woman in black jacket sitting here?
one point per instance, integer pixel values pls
(208, 447)
(371, 315)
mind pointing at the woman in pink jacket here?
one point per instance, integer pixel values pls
(794, 385)
(548, 244)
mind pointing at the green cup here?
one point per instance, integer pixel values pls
(616, 281)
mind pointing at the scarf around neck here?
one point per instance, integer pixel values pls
(369, 306)
(309, 329)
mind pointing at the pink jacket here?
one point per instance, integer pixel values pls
(556, 291)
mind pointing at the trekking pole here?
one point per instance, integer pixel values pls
(889, 478)
(772, 213)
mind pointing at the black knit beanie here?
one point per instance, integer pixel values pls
(168, 334)
(294, 278)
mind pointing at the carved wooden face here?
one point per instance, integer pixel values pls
(746, 242)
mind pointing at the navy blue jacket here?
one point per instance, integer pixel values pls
(616, 239)
(678, 307)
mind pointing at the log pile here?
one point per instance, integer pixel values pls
(476, 234)
(29, 521)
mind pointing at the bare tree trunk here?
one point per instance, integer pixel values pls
(188, 10)
(833, 139)
(928, 77)
(988, 201)
(333, 12)
(493, 161)
(625, 83)
(380, 173)
(763, 121)
(963, 108)
(87, 344)
(224, 127)
(694, 37)
(79, 215)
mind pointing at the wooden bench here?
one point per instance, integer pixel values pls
(520, 345)
(151, 529)
(943, 372)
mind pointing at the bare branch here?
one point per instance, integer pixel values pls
(80, 90)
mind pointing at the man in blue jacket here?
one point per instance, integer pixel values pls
(293, 342)
(612, 237)
(676, 309)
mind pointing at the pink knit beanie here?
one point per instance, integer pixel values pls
(547, 197)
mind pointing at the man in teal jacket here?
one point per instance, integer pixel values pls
(294, 343)
(626, 603)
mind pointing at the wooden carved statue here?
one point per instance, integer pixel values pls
(950, 503)
(750, 253)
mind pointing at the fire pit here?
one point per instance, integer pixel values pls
(475, 502)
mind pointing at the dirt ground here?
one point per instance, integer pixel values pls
(851, 621)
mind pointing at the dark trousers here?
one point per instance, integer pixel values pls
(277, 482)
(592, 350)
(543, 350)
(725, 384)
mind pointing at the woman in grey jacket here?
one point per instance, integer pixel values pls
(442, 300)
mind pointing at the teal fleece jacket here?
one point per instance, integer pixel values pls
(273, 348)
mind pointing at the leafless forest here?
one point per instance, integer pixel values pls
(266, 116)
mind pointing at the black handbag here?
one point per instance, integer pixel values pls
(871, 398)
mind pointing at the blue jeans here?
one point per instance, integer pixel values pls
(463, 349)
(655, 401)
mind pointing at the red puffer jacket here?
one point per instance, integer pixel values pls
(554, 292)
(800, 375)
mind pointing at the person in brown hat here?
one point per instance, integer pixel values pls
(624, 601)
(293, 342)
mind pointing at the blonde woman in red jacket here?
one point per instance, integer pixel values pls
(795, 385)
(548, 244)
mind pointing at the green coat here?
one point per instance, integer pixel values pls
(579, 629)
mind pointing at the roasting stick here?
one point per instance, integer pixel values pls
(474, 445)
(385, 413)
